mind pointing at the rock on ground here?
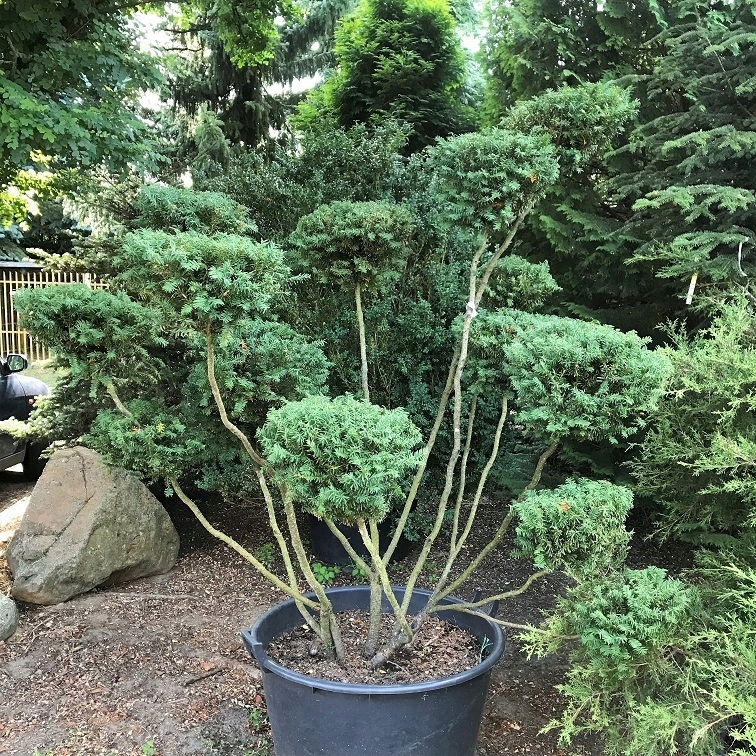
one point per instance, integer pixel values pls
(87, 525)
(8, 617)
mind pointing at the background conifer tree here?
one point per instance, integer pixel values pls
(396, 60)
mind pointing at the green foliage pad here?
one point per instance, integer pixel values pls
(342, 459)
(578, 527)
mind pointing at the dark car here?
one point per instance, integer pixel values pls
(17, 396)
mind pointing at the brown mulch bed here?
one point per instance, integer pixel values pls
(157, 667)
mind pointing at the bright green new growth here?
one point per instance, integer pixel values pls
(696, 461)
(342, 459)
(569, 377)
(634, 631)
(578, 527)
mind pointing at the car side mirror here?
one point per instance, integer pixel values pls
(16, 363)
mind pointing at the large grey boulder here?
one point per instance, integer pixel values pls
(87, 525)
(8, 617)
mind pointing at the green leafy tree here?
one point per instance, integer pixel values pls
(539, 45)
(34, 223)
(247, 31)
(70, 74)
(677, 199)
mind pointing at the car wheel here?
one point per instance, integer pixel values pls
(34, 463)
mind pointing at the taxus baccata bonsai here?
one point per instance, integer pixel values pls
(342, 459)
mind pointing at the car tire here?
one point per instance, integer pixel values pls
(34, 463)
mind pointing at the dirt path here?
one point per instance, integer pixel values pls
(157, 667)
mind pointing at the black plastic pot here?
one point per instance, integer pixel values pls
(328, 549)
(311, 716)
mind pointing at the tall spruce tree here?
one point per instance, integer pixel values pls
(678, 197)
(210, 69)
(692, 179)
(534, 45)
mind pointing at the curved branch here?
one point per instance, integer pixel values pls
(236, 431)
(239, 549)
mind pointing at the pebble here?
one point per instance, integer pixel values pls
(8, 617)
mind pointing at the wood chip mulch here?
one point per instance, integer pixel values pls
(157, 667)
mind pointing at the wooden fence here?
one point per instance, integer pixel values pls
(12, 338)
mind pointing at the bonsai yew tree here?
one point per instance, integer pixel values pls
(346, 460)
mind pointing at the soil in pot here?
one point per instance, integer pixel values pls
(311, 715)
(439, 649)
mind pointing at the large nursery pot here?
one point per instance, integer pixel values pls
(310, 716)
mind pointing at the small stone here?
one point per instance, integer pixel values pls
(8, 617)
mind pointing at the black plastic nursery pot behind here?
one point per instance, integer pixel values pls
(312, 716)
(328, 549)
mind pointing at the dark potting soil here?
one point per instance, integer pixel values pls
(439, 649)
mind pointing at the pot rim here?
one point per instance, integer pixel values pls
(256, 648)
